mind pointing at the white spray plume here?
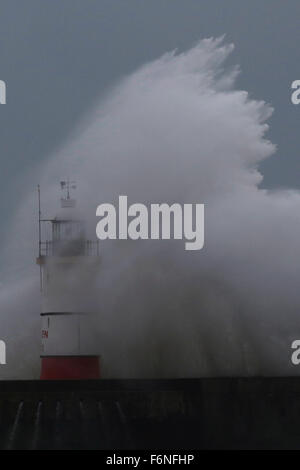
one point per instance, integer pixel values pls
(176, 130)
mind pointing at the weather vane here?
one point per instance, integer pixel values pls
(67, 186)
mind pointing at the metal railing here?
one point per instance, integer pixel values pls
(70, 248)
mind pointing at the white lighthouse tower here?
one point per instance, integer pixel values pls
(65, 262)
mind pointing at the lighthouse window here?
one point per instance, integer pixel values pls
(68, 238)
(67, 231)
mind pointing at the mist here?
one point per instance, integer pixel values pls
(177, 130)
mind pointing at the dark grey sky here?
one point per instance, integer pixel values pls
(57, 56)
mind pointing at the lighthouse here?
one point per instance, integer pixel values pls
(66, 261)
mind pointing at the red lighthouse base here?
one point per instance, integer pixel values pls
(70, 368)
